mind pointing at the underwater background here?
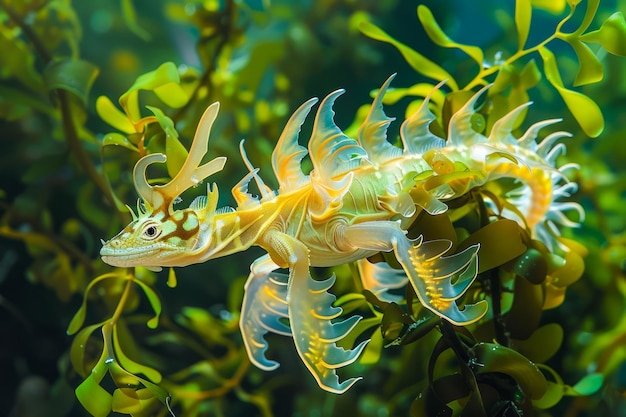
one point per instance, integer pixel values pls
(66, 70)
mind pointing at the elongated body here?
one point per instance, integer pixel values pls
(357, 201)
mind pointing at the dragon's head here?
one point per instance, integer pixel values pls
(159, 235)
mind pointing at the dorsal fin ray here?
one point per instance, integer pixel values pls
(372, 135)
(501, 130)
(528, 139)
(415, 133)
(240, 192)
(288, 153)
(330, 149)
(266, 192)
(460, 130)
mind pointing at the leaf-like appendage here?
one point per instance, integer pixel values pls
(433, 277)
(310, 314)
(264, 308)
(379, 278)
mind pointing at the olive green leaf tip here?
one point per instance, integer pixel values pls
(611, 35)
(74, 75)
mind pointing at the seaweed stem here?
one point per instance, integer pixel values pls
(485, 72)
(69, 127)
(75, 146)
(205, 80)
(28, 32)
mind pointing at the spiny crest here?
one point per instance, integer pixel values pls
(332, 151)
(372, 134)
(415, 130)
(288, 153)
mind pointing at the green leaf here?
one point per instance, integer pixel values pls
(611, 35)
(18, 59)
(524, 315)
(121, 335)
(584, 109)
(417, 61)
(113, 116)
(130, 17)
(138, 403)
(79, 318)
(163, 81)
(570, 272)
(530, 75)
(500, 242)
(73, 75)
(438, 36)
(490, 357)
(590, 14)
(155, 302)
(542, 344)
(531, 266)
(588, 385)
(79, 344)
(590, 68)
(95, 399)
(417, 90)
(523, 15)
(116, 139)
(175, 151)
(552, 6)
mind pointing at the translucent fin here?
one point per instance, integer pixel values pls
(266, 192)
(380, 278)
(428, 201)
(501, 130)
(199, 203)
(314, 334)
(372, 134)
(415, 133)
(528, 139)
(240, 192)
(547, 144)
(432, 276)
(264, 305)
(439, 281)
(288, 153)
(330, 149)
(460, 130)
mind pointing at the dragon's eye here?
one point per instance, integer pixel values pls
(151, 231)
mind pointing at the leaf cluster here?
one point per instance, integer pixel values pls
(514, 73)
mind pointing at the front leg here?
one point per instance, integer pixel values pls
(431, 274)
(311, 313)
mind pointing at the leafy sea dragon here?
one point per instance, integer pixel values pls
(354, 203)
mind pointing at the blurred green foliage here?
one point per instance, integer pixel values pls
(140, 348)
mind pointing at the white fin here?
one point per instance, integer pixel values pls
(415, 133)
(288, 153)
(501, 130)
(199, 203)
(240, 192)
(528, 139)
(460, 130)
(372, 134)
(330, 149)
(266, 192)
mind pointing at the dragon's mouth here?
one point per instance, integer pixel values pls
(126, 257)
